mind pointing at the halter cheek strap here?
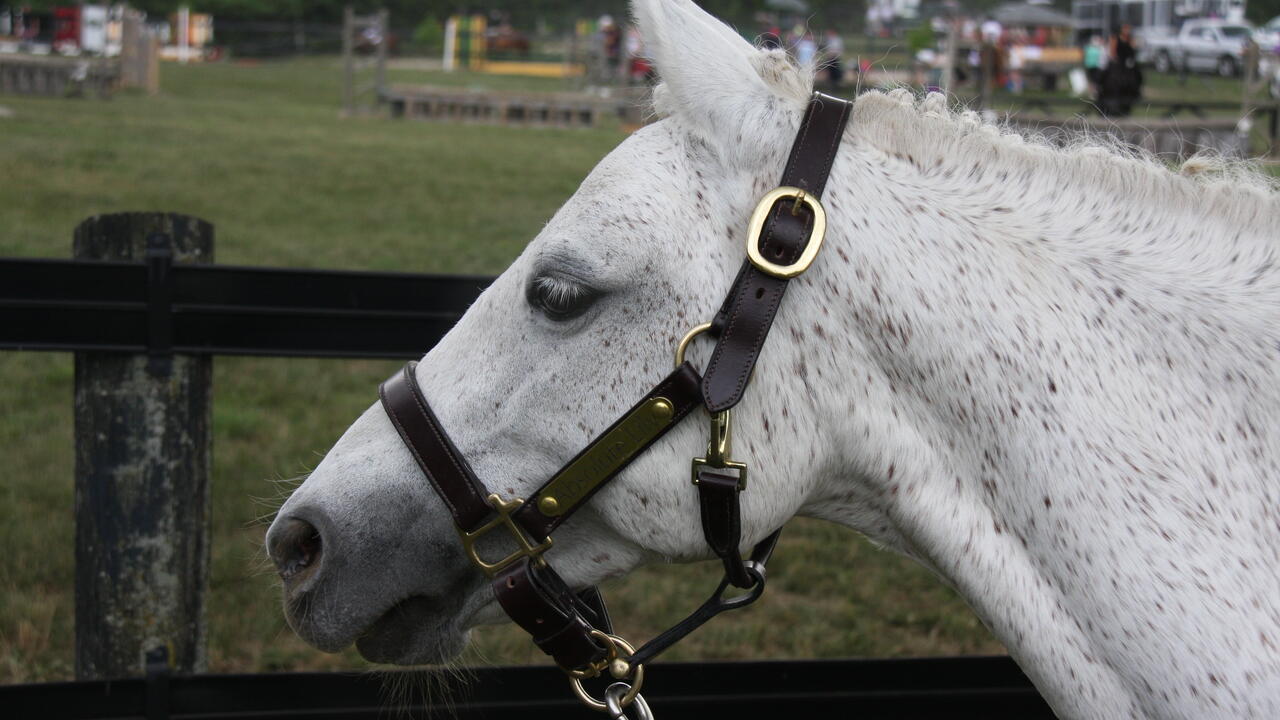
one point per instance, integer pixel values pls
(789, 237)
(786, 232)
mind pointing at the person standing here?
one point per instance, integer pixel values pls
(1094, 61)
(806, 49)
(833, 52)
(1122, 78)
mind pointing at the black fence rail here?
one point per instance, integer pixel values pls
(987, 688)
(158, 306)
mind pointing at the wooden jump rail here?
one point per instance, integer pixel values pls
(52, 76)
(442, 104)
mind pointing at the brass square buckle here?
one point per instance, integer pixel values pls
(761, 215)
(528, 548)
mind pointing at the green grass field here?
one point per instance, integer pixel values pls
(260, 152)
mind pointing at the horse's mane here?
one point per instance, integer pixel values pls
(931, 131)
(1237, 191)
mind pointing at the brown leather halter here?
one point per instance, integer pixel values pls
(786, 231)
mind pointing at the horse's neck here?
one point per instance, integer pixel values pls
(1068, 417)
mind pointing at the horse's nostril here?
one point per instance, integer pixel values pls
(295, 547)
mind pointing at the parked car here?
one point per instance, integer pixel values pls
(1200, 46)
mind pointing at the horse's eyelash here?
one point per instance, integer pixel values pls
(557, 292)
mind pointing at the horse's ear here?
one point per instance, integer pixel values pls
(709, 73)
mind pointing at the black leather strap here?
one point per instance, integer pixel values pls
(722, 522)
(745, 317)
(560, 622)
(715, 604)
(445, 468)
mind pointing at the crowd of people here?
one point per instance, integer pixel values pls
(984, 45)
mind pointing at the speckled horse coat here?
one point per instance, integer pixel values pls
(1048, 375)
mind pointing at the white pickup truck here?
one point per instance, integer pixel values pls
(1200, 46)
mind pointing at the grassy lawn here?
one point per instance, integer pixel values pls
(260, 152)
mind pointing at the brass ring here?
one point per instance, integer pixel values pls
(688, 338)
(594, 669)
(634, 673)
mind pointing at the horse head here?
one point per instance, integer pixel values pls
(568, 337)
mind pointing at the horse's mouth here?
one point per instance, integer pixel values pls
(414, 631)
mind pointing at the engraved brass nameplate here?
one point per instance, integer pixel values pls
(605, 456)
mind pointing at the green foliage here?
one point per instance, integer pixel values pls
(1261, 11)
(919, 38)
(429, 34)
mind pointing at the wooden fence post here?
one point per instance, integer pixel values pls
(142, 434)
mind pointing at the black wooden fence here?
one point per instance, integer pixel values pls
(143, 318)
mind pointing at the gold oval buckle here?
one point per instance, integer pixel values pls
(761, 215)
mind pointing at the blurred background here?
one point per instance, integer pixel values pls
(431, 136)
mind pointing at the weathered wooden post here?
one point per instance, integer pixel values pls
(142, 427)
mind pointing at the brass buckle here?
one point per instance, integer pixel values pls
(718, 449)
(761, 215)
(528, 548)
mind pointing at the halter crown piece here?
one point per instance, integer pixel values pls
(573, 627)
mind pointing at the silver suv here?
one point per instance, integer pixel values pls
(1200, 46)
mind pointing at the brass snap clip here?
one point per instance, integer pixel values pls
(719, 447)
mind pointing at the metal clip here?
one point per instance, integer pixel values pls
(719, 447)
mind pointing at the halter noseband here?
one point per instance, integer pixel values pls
(785, 233)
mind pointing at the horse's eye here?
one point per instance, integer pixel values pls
(558, 298)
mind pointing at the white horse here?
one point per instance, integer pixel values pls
(1048, 375)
